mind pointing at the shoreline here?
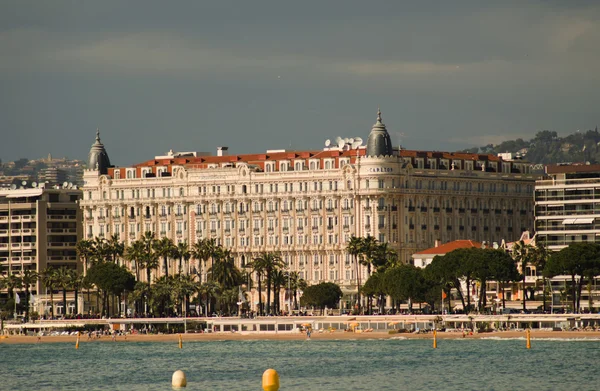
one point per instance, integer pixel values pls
(212, 337)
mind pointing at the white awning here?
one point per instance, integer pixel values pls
(568, 221)
(584, 221)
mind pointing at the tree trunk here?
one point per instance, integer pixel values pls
(524, 292)
(64, 295)
(166, 264)
(268, 293)
(76, 302)
(544, 293)
(260, 311)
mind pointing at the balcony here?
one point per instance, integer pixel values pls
(486, 211)
(381, 226)
(411, 208)
(436, 210)
(473, 210)
(381, 208)
(497, 211)
(315, 227)
(367, 226)
(394, 208)
(242, 230)
(461, 210)
(523, 212)
(330, 227)
(330, 210)
(509, 211)
(256, 230)
(367, 208)
(448, 228)
(424, 227)
(473, 228)
(448, 210)
(394, 226)
(423, 209)
(3, 245)
(436, 227)
(461, 227)
(411, 226)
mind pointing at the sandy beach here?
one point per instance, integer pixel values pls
(174, 338)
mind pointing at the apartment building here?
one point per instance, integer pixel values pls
(39, 227)
(567, 205)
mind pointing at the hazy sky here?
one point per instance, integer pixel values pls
(257, 75)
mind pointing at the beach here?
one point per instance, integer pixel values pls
(199, 337)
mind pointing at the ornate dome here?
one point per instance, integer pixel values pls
(379, 142)
(98, 158)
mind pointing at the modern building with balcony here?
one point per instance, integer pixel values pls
(567, 205)
(39, 228)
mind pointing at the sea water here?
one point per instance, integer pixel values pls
(319, 365)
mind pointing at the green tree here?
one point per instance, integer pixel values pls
(504, 270)
(325, 294)
(110, 278)
(523, 255)
(50, 280)
(182, 252)
(85, 251)
(354, 248)
(579, 260)
(270, 263)
(166, 249)
(28, 278)
(64, 281)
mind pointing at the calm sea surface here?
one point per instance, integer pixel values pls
(396, 364)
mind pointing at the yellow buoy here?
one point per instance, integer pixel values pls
(528, 339)
(178, 379)
(77, 343)
(180, 342)
(435, 339)
(270, 380)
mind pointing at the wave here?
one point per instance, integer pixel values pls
(542, 339)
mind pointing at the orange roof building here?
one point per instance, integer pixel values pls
(306, 205)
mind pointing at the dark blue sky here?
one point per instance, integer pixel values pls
(257, 75)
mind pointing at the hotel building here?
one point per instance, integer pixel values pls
(307, 204)
(39, 228)
(567, 204)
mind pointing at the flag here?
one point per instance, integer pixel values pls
(444, 295)
(17, 298)
(31, 298)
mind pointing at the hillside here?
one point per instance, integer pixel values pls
(547, 147)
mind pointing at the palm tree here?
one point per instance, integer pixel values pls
(354, 248)
(209, 290)
(49, 277)
(279, 280)
(203, 250)
(540, 257)
(115, 248)
(296, 283)
(64, 282)
(522, 254)
(12, 282)
(165, 248)
(28, 277)
(270, 263)
(149, 257)
(257, 266)
(225, 272)
(135, 254)
(182, 252)
(77, 283)
(85, 251)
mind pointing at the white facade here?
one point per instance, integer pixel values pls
(306, 205)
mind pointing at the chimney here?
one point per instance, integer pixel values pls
(222, 151)
(437, 243)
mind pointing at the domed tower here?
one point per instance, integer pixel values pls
(98, 158)
(379, 142)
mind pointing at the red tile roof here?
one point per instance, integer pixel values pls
(450, 246)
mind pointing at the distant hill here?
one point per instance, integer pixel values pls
(546, 147)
